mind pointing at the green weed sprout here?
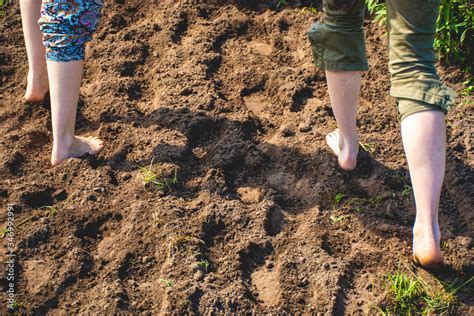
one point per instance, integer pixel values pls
(3, 3)
(167, 283)
(336, 219)
(281, 3)
(52, 210)
(17, 305)
(338, 198)
(158, 179)
(407, 189)
(310, 9)
(368, 147)
(204, 264)
(150, 177)
(4, 232)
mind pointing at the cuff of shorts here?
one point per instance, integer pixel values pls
(430, 91)
(64, 54)
(336, 66)
(329, 54)
(407, 107)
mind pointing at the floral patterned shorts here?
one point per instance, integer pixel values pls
(67, 25)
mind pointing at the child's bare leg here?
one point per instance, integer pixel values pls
(424, 140)
(65, 81)
(344, 88)
(37, 74)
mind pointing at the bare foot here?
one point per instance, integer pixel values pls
(426, 248)
(346, 151)
(80, 146)
(38, 85)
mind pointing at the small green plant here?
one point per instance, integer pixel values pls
(174, 180)
(177, 242)
(3, 3)
(368, 147)
(444, 245)
(338, 198)
(150, 177)
(159, 180)
(310, 9)
(468, 87)
(204, 264)
(407, 190)
(166, 283)
(281, 3)
(4, 232)
(51, 210)
(338, 218)
(17, 305)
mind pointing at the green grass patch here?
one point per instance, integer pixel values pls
(342, 201)
(409, 294)
(165, 183)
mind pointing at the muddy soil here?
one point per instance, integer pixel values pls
(222, 100)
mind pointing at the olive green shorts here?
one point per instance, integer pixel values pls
(338, 44)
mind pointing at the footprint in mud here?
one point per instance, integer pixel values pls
(91, 228)
(15, 163)
(300, 99)
(37, 274)
(37, 199)
(274, 219)
(180, 28)
(253, 255)
(260, 48)
(37, 140)
(267, 282)
(257, 104)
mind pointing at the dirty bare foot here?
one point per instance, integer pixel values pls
(38, 85)
(345, 150)
(79, 147)
(426, 246)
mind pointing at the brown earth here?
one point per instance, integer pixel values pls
(225, 94)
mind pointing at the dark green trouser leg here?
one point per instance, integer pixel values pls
(415, 83)
(338, 43)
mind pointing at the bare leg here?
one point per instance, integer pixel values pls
(424, 140)
(65, 81)
(37, 74)
(344, 89)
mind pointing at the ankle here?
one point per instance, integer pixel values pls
(349, 140)
(63, 144)
(427, 228)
